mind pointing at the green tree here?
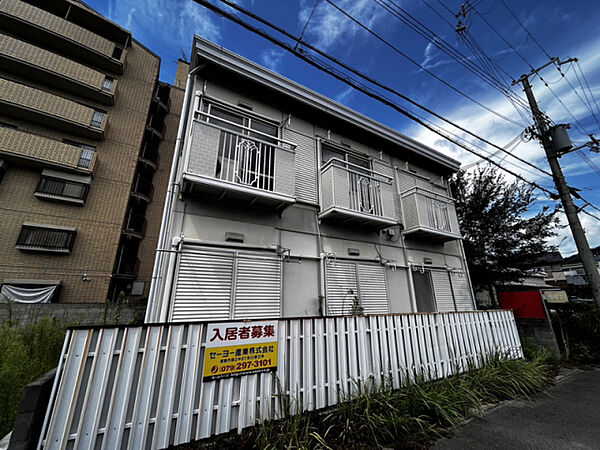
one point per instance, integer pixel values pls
(502, 233)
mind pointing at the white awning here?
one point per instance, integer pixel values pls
(20, 294)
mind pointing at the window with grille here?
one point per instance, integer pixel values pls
(87, 153)
(42, 238)
(61, 189)
(108, 84)
(97, 119)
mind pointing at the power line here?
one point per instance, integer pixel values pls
(354, 84)
(373, 81)
(525, 28)
(365, 90)
(421, 29)
(312, 11)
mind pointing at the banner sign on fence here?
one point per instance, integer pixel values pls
(240, 348)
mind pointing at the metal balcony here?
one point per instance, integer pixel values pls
(127, 268)
(149, 155)
(240, 166)
(429, 215)
(156, 125)
(357, 196)
(142, 188)
(135, 225)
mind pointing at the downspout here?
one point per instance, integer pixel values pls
(464, 258)
(171, 198)
(322, 299)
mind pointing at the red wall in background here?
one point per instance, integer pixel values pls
(525, 304)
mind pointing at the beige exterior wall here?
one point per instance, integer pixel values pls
(99, 222)
(31, 14)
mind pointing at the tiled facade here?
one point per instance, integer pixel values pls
(52, 84)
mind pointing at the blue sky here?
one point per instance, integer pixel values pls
(564, 29)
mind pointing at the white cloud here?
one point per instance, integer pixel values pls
(173, 22)
(345, 95)
(330, 27)
(272, 58)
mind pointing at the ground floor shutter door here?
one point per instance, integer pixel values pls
(204, 285)
(372, 287)
(442, 290)
(257, 286)
(341, 287)
(462, 292)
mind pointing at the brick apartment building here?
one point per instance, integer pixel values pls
(86, 140)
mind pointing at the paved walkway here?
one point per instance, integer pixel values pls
(568, 417)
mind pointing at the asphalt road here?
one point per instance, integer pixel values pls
(566, 417)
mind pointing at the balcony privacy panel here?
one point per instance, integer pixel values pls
(35, 99)
(305, 166)
(37, 56)
(43, 19)
(39, 148)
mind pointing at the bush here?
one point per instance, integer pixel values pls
(407, 418)
(26, 353)
(580, 324)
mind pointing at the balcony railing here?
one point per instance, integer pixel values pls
(25, 102)
(135, 225)
(428, 214)
(245, 165)
(150, 155)
(42, 151)
(127, 267)
(355, 195)
(24, 59)
(142, 188)
(42, 26)
(156, 124)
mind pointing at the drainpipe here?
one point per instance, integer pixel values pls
(323, 304)
(171, 198)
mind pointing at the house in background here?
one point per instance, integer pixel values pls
(285, 203)
(84, 154)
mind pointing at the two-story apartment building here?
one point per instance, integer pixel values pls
(81, 134)
(283, 202)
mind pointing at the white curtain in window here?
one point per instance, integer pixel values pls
(27, 295)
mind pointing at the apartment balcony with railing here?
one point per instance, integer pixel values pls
(135, 225)
(244, 165)
(354, 195)
(149, 155)
(429, 215)
(156, 126)
(44, 25)
(33, 62)
(126, 267)
(142, 188)
(28, 103)
(44, 152)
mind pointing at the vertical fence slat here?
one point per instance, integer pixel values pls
(191, 373)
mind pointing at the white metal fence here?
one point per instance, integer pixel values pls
(141, 387)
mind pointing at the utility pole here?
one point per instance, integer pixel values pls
(556, 142)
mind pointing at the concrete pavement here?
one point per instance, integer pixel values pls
(567, 416)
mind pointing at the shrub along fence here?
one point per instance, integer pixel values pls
(157, 385)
